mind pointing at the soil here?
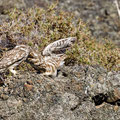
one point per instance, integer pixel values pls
(79, 92)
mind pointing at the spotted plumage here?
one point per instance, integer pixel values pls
(13, 58)
(51, 64)
(58, 45)
(50, 59)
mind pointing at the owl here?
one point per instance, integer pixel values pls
(50, 59)
(13, 58)
(51, 64)
(53, 56)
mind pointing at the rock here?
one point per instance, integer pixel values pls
(70, 100)
(7, 4)
(30, 82)
(28, 86)
(4, 97)
(69, 95)
(66, 97)
(13, 103)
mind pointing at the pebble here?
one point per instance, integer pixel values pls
(4, 97)
(28, 87)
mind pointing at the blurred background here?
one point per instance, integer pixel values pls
(100, 15)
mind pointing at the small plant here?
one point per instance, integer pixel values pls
(41, 27)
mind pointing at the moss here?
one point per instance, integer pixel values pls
(39, 26)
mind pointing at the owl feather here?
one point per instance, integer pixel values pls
(50, 59)
(14, 57)
(59, 45)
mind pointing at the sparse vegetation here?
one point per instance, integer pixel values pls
(39, 26)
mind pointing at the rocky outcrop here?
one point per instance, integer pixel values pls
(67, 96)
(77, 90)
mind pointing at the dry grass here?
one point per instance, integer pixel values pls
(39, 26)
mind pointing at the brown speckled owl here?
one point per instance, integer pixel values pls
(53, 55)
(50, 59)
(13, 58)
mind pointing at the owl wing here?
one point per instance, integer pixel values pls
(59, 46)
(15, 55)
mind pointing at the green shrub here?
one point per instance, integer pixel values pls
(38, 26)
